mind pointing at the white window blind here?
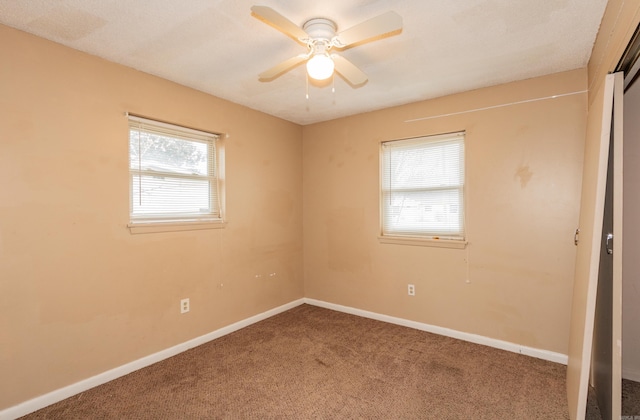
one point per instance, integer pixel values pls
(423, 187)
(173, 172)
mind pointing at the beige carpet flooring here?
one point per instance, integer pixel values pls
(313, 363)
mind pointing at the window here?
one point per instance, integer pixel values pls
(423, 187)
(173, 174)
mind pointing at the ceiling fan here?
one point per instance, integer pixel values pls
(320, 37)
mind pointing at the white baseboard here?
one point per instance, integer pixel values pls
(632, 375)
(473, 338)
(68, 391)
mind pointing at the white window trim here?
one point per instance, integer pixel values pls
(427, 241)
(160, 224)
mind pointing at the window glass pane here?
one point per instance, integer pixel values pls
(154, 152)
(435, 212)
(425, 166)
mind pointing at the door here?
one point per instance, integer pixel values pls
(590, 243)
(631, 262)
(606, 367)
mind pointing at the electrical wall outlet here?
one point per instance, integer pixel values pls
(411, 290)
(184, 306)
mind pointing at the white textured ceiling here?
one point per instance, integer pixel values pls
(218, 47)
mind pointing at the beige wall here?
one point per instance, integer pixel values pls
(523, 163)
(78, 293)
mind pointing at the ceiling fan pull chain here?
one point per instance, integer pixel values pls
(333, 89)
(307, 80)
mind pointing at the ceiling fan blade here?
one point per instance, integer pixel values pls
(348, 70)
(275, 19)
(282, 67)
(377, 26)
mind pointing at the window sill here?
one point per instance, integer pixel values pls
(174, 226)
(431, 242)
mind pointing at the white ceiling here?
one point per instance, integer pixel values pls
(218, 47)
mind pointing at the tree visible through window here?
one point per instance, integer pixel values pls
(423, 187)
(173, 172)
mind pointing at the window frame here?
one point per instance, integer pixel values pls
(215, 175)
(416, 238)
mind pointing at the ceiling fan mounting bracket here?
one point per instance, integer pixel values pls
(320, 28)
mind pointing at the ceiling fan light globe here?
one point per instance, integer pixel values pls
(320, 67)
